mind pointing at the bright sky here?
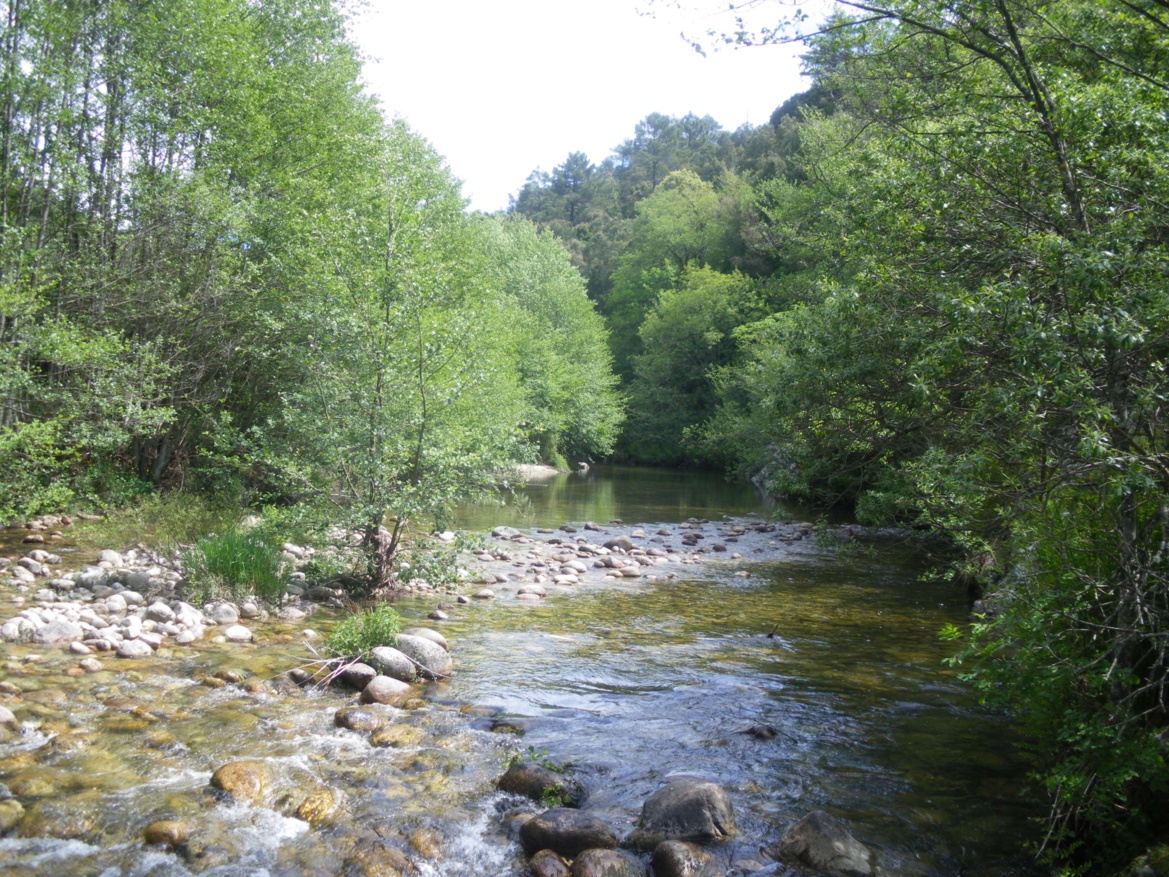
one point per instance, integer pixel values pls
(502, 87)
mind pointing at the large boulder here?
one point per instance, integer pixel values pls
(58, 631)
(566, 832)
(542, 784)
(393, 663)
(821, 842)
(427, 633)
(690, 810)
(605, 863)
(432, 659)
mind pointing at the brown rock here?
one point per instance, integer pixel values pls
(675, 858)
(243, 780)
(357, 719)
(547, 864)
(320, 806)
(378, 861)
(567, 832)
(605, 863)
(168, 832)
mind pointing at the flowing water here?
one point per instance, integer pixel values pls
(629, 683)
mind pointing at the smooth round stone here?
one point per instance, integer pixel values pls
(243, 780)
(383, 689)
(426, 633)
(90, 665)
(435, 661)
(79, 648)
(237, 633)
(135, 648)
(224, 613)
(567, 832)
(358, 675)
(320, 806)
(111, 557)
(391, 662)
(168, 832)
(357, 719)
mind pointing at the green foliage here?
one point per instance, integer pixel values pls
(235, 563)
(159, 521)
(357, 635)
(436, 566)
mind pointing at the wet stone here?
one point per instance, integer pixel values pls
(547, 864)
(567, 832)
(168, 832)
(242, 780)
(605, 863)
(320, 806)
(357, 719)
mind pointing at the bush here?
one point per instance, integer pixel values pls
(435, 566)
(359, 634)
(235, 563)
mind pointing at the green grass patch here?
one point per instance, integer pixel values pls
(362, 632)
(235, 563)
(157, 521)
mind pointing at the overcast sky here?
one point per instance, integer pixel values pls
(501, 88)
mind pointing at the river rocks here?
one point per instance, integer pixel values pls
(383, 689)
(821, 842)
(237, 633)
(624, 543)
(319, 807)
(168, 832)
(378, 860)
(58, 631)
(547, 864)
(433, 660)
(675, 858)
(114, 559)
(8, 720)
(567, 832)
(684, 810)
(135, 648)
(357, 719)
(393, 663)
(542, 784)
(397, 736)
(243, 780)
(358, 675)
(224, 613)
(11, 812)
(426, 633)
(605, 863)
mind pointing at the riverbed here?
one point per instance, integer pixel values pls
(628, 682)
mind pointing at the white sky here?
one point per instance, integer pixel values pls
(501, 87)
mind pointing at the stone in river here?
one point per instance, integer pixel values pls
(357, 719)
(135, 648)
(383, 689)
(433, 659)
(320, 806)
(540, 783)
(168, 832)
(605, 863)
(566, 832)
(821, 842)
(675, 858)
(58, 631)
(391, 662)
(358, 675)
(11, 812)
(242, 780)
(237, 633)
(547, 864)
(426, 633)
(684, 810)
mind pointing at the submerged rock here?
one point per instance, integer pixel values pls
(357, 719)
(684, 810)
(819, 841)
(675, 858)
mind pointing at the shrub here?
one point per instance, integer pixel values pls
(362, 632)
(435, 566)
(235, 563)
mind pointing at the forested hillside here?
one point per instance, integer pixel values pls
(936, 289)
(221, 268)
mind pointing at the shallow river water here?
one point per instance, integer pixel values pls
(630, 683)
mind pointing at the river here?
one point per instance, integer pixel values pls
(627, 683)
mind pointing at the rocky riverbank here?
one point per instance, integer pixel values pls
(111, 675)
